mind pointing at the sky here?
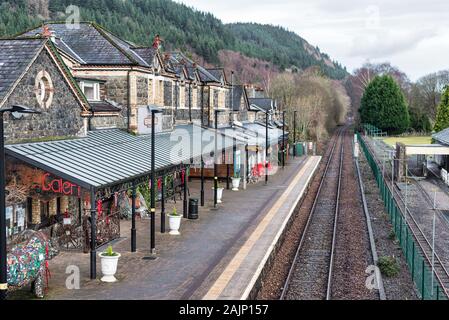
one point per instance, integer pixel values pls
(411, 34)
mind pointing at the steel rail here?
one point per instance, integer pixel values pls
(334, 232)
(420, 237)
(312, 210)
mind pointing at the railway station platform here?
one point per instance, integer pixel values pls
(238, 279)
(218, 256)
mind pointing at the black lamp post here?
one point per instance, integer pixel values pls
(215, 159)
(267, 145)
(283, 140)
(294, 132)
(154, 111)
(16, 111)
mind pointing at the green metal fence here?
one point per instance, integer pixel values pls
(419, 267)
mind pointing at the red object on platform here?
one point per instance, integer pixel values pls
(99, 207)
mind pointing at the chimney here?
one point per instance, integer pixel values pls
(157, 42)
(46, 31)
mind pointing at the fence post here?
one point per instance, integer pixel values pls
(413, 260)
(406, 243)
(423, 272)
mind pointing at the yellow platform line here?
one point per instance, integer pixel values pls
(223, 280)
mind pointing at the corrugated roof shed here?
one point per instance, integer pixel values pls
(442, 136)
(109, 157)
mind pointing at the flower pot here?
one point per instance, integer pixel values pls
(175, 223)
(219, 195)
(235, 184)
(66, 221)
(109, 267)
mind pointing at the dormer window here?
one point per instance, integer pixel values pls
(91, 90)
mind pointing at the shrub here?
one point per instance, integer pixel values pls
(388, 266)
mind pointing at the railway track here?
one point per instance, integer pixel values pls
(312, 267)
(441, 273)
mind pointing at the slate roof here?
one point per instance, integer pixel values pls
(217, 73)
(179, 59)
(91, 45)
(147, 54)
(15, 57)
(442, 136)
(263, 103)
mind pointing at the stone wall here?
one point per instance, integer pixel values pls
(168, 93)
(142, 91)
(102, 122)
(116, 89)
(61, 120)
(183, 115)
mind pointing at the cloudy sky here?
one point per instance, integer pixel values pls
(411, 34)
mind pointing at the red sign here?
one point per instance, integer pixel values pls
(60, 186)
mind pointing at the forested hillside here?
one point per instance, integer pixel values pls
(180, 26)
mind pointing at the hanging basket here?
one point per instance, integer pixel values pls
(15, 193)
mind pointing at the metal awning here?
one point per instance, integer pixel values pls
(109, 157)
(426, 149)
(274, 133)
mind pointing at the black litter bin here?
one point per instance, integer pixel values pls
(193, 209)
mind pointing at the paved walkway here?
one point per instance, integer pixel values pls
(190, 264)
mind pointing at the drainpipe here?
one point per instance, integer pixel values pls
(190, 102)
(129, 101)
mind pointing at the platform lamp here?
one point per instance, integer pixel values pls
(217, 111)
(283, 139)
(295, 113)
(17, 112)
(154, 110)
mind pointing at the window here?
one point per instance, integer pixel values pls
(91, 90)
(44, 90)
(15, 219)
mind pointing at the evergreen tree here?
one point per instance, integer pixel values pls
(442, 120)
(180, 26)
(384, 106)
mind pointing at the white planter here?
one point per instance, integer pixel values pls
(109, 267)
(67, 221)
(219, 195)
(175, 223)
(235, 184)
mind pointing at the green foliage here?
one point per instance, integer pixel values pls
(109, 252)
(174, 212)
(419, 121)
(442, 120)
(180, 26)
(388, 266)
(383, 105)
(283, 48)
(392, 235)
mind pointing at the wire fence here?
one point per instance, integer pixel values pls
(414, 245)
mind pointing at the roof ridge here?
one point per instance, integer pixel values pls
(45, 23)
